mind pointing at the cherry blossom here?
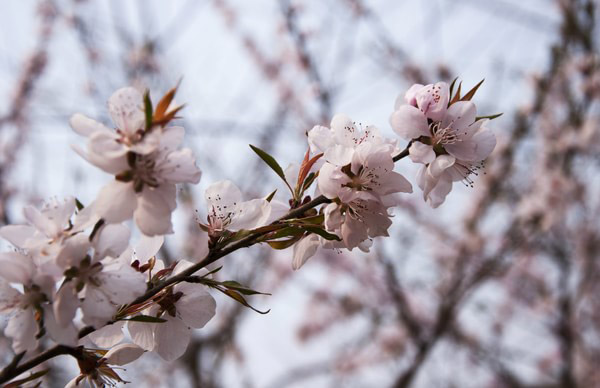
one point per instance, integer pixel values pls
(48, 236)
(147, 165)
(24, 305)
(183, 306)
(451, 141)
(227, 211)
(96, 370)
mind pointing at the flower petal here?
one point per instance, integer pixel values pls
(172, 338)
(116, 202)
(125, 108)
(65, 304)
(22, 328)
(421, 153)
(460, 116)
(85, 126)
(196, 307)
(440, 164)
(304, 250)
(432, 100)
(112, 240)
(108, 336)
(123, 354)
(17, 235)
(409, 122)
(153, 212)
(16, 268)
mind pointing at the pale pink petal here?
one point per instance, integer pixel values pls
(123, 354)
(179, 167)
(421, 153)
(320, 138)
(120, 282)
(65, 304)
(460, 116)
(41, 222)
(410, 97)
(304, 250)
(96, 306)
(148, 247)
(171, 137)
(464, 150)
(486, 142)
(394, 183)
(338, 155)
(196, 307)
(108, 336)
(116, 202)
(432, 100)
(109, 165)
(142, 334)
(126, 109)
(333, 217)
(9, 297)
(440, 164)
(16, 268)
(153, 213)
(17, 235)
(22, 329)
(344, 130)
(64, 335)
(250, 214)
(106, 145)
(73, 250)
(353, 232)
(149, 143)
(440, 191)
(222, 197)
(172, 338)
(409, 123)
(111, 240)
(330, 180)
(85, 126)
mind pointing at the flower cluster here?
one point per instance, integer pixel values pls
(75, 277)
(446, 137)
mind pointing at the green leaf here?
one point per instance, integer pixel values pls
(490, 117)
(270, 196)
(284, 232)
(144, 318)
(31, 377)
(321, 232)
(148, 109)
(284, 244)
(309, 181)
(96, 228)
(271, 162)
(79, 205)
(471, 93)
(233, 285)
(456, 97)
(212, 272)
(452, 85)
(240, 299)
(314, 220)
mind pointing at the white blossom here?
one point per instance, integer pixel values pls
(449, 141)
(183, 306)
(227, 210)
(147, 164)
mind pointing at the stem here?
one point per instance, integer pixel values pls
(11, 371)
(58, 350)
